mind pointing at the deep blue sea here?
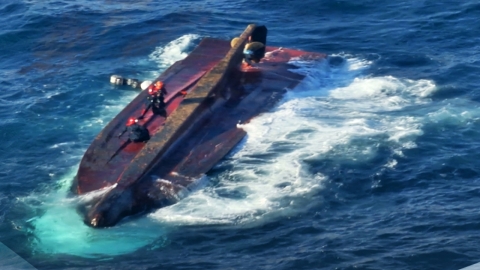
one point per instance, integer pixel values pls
(373, 162)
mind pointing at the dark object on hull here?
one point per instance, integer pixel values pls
(208, 94)
(136, 132)
(259, 36)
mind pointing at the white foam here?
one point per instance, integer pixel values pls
(334, 113)
(384, 93)
(174, 51)
(87, 197)
(453, 112)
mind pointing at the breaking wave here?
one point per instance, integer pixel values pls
(335, 113)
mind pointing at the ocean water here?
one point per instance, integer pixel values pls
(372, 162)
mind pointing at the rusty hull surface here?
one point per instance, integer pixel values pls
(200, 128)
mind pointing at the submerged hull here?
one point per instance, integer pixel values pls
(200, 128)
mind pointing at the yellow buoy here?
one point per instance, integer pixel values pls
(234, 41)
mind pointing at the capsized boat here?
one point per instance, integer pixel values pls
(207, 95)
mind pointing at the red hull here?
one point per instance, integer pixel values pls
(200, 128)
(101, 166)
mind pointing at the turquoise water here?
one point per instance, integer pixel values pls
(370, 163)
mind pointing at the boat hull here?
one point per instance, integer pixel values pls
(199, 130)
(108, 156)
